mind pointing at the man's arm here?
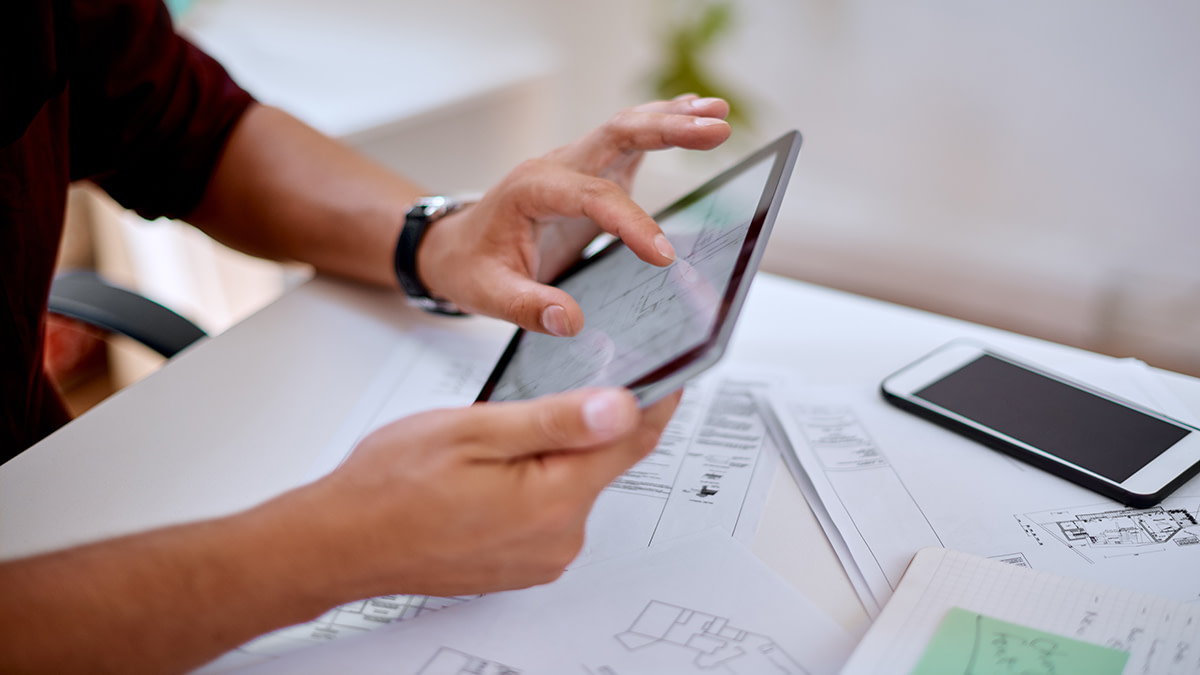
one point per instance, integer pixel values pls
(449, 502)
(444, 503)
(284, 191)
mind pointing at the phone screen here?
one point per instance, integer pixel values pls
(1090, 431)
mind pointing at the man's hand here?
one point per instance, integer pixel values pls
(495, 257)
(448, 502)
(470, 500)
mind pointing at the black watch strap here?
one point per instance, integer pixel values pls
(424, 212)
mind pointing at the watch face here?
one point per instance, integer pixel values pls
(433, 207)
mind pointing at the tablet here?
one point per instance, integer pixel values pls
(651, 329)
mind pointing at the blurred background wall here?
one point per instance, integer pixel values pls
(1028, 165)
(1024, 164)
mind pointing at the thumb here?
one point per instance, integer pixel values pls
(575, 419)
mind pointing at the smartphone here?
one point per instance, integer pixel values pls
(1098, 440)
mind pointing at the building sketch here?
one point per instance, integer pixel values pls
(348, 619)
(1017, 559)
(449, 661)
(707, 641)
(1111, 532)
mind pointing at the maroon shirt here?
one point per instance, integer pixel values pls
(89, 89)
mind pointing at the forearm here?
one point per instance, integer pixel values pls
(286, 192)
(448, 502)
(161, 601)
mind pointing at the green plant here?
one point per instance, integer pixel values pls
(686, 44)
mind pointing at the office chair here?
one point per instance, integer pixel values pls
(84, 296)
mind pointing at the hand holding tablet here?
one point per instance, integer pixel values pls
(651, 329)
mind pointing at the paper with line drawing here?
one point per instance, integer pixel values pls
(893, 483)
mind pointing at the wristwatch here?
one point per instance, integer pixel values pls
(424, 212)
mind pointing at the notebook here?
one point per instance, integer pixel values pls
(957, 612)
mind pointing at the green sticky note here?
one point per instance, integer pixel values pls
(974, 644)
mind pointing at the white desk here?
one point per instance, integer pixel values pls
(239, 418)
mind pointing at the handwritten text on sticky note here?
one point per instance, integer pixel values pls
(974, 644)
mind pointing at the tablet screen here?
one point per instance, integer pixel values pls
(639, 317)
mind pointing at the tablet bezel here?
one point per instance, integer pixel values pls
(672, 375)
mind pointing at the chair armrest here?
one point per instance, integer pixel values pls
(84, 296)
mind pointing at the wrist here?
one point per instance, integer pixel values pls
(296, 537)
(418, 222)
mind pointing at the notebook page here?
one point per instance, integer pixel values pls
(1161, 635)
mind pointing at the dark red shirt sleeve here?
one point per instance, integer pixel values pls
(99, 89)
(150, 112)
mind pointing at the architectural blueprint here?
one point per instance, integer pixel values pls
(350, 619)
(891, 483)
(700, 605)
(710, 470)
(448, 661)
(706, 642)
(428, 369)
(1099, 531)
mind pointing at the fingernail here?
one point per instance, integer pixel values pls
(604, 412)
(683, 96)
(701, 102)
(709, 121)
(554, 320)
(664, 247)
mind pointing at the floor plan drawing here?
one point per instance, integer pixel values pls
(711, 469)
(449, 661)
(1107, 532)
(1017, 559)
(629, 616)
(348, 619)
(707, 642)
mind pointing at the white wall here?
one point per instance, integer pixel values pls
(1026, 164)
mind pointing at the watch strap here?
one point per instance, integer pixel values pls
(423, 213)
